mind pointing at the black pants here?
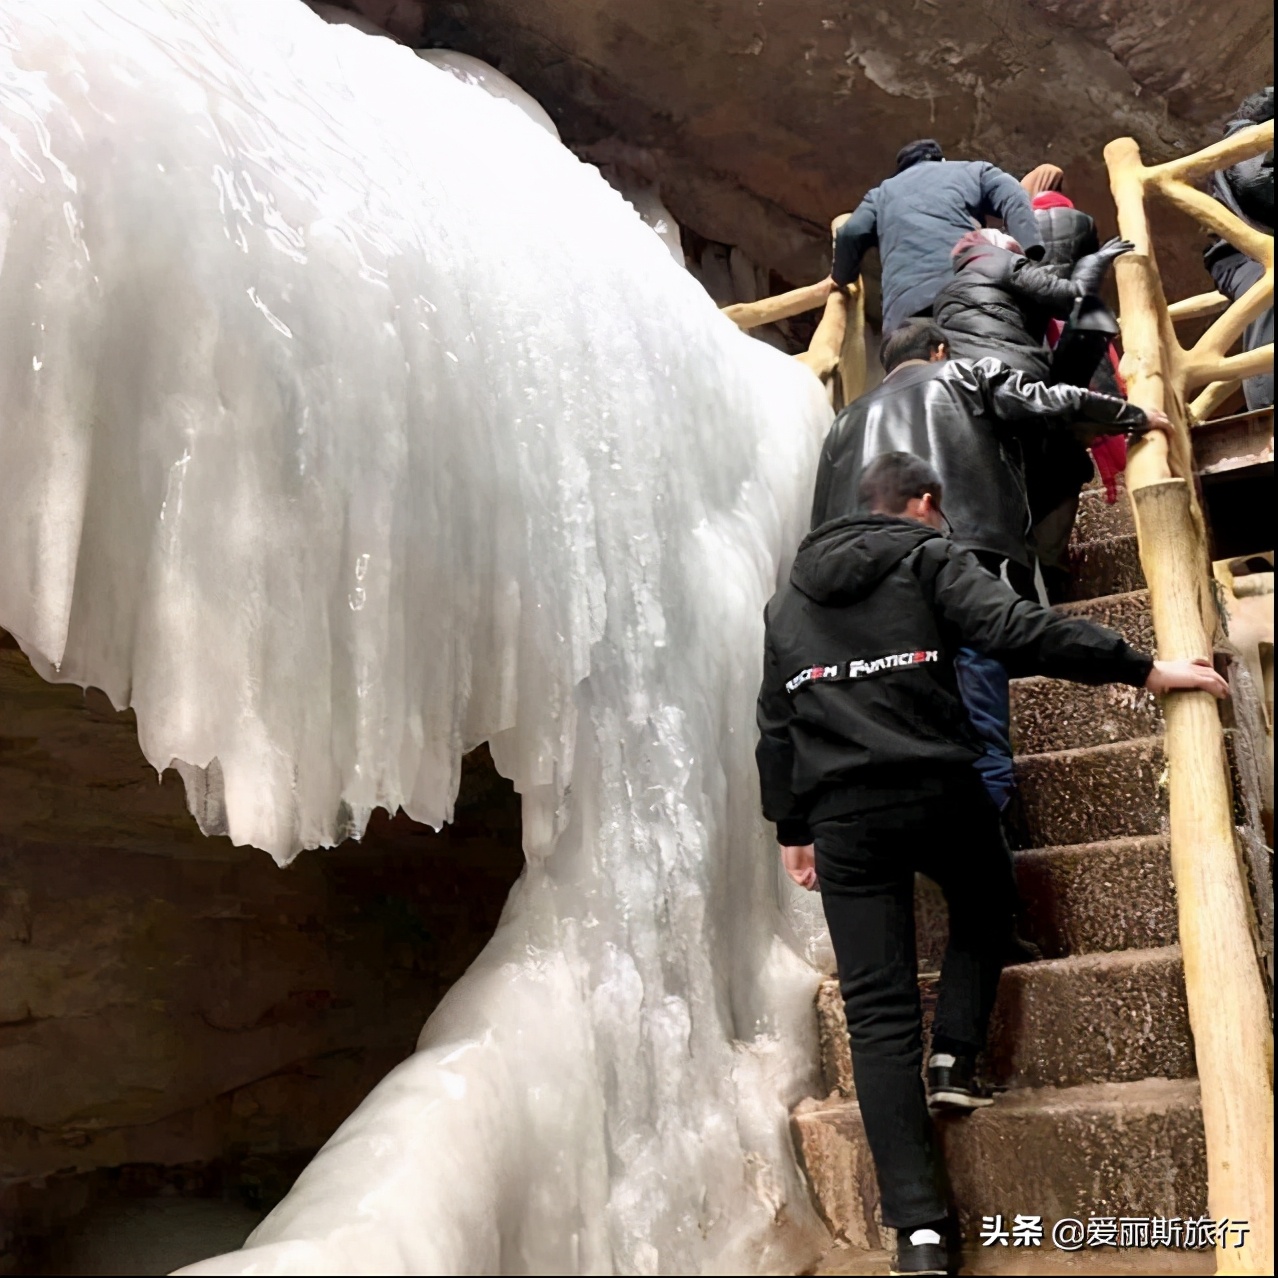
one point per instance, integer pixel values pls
(947, 828)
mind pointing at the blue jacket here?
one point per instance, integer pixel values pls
(917, 217)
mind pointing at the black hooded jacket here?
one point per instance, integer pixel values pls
(968, 420)
(858, 687)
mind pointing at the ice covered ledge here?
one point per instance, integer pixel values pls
(332, 453)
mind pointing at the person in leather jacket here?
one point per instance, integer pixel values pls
(1000, 305)
(1247, 189)
(968, 419)
(916, 216)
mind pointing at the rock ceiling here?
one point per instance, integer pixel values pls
(762, 119)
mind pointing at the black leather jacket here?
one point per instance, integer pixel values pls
(967, 419)
(998, 305)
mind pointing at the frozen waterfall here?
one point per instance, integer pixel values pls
(348, 421)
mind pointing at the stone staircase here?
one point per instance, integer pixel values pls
(1101, 1117)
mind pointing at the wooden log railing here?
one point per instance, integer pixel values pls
(1228, 1008)
(836, 353)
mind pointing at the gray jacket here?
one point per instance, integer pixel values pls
(917, 217)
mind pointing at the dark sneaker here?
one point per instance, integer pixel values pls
(920, 1251)
(951, 1083)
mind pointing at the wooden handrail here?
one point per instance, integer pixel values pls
(1210, 398)
(783, 306)
(1198, 307)
(1228, 1008)
(836, 353)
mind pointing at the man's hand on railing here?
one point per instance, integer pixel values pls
(1192, 675)
(1155, 419)
(800, 865)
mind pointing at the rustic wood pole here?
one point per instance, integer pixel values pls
(767, 310)
(1228, 1010)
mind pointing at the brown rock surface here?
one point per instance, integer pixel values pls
(1124, 784)
(170, 999)
(764, 120)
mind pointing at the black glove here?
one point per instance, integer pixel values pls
(1090, 271)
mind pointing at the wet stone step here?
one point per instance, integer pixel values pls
(1081, 899)
(1102, 1149)
(1053, 714)
(1108, 567)
(1092, 1018)
(1091, 794)
(1093, 897)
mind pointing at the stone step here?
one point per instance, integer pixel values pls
(1097, 520)
(1092, 897)
(1108, 567)
(1128, 614)
(1091, 794)
(1080, 899)
(1091, 1018)
(1102, 1149)
(1053, 714)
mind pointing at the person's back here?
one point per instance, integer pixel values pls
(998, 304)
(859, 591)
(967, 419)
(1247, 189)
(917, 216)
(865, 766)
(934, 410)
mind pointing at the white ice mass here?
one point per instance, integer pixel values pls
(348, 421)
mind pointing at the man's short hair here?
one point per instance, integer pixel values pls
(892, 480)
(915, 339)
(913, 153)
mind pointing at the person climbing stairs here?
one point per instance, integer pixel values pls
(1092, 1159)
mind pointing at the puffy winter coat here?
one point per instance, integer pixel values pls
(968, 420)
(998, 304)
(916, 217)
(858, 666)
(1068, 233)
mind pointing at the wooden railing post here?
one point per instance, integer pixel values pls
(836, 353)
(1228, 1009)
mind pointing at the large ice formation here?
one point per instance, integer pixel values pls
(347, 421)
